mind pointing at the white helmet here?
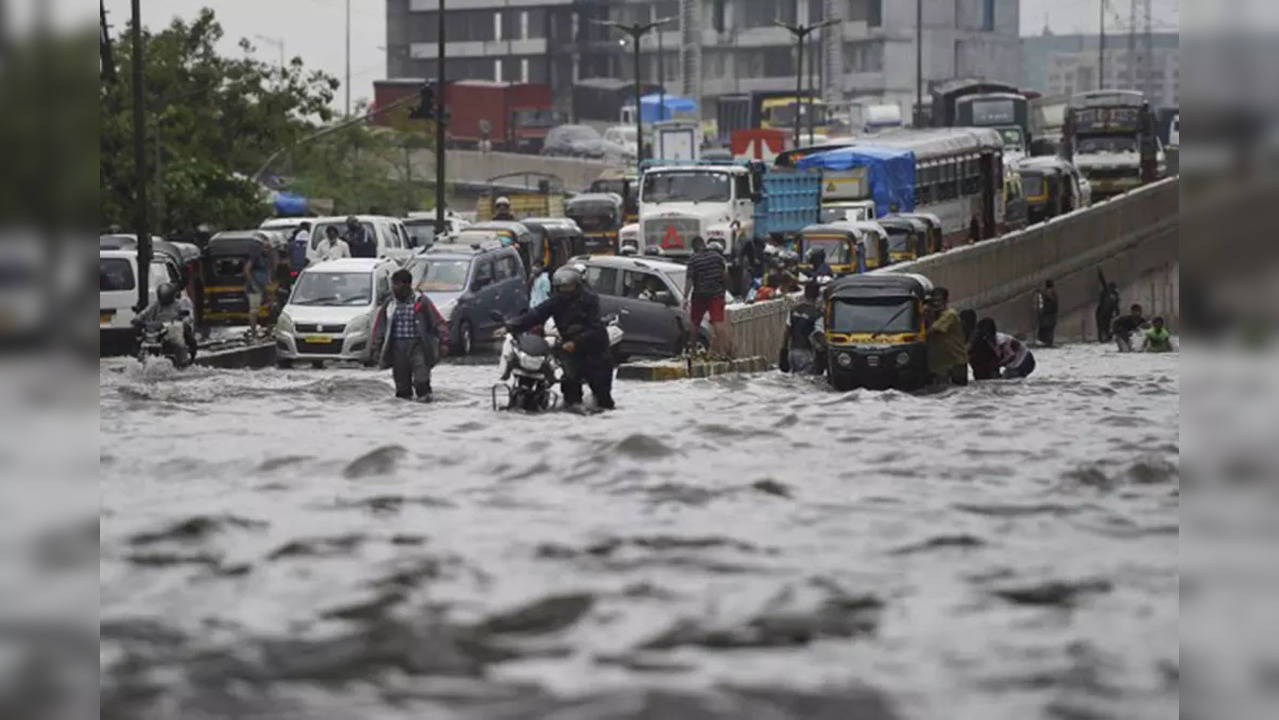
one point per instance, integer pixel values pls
(504, 200)
(566, 279)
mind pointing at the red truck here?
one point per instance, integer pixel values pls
(511, 116)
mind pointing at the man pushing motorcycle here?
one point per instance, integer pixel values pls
(584, 338)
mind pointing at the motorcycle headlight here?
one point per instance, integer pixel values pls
(284, 323)
(359, 324)
(903, 358)
(845, 360)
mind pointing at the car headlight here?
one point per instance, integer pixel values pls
(284, 323)
(845, 360)
(359, 324)
(903, 358)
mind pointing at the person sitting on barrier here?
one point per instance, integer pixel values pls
(1158, 339)
(1125, 325)
(1014, 356)
(982, 355)
(798, 354)
(947, 352)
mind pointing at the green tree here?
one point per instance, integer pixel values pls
(215, 120)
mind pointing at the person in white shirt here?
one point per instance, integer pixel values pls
(1016, 359)
(332, 247)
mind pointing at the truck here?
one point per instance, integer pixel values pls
(544, 196)
(600, 100)
(1112, 137)
(482, 113)
(740, 205)
(767, 109)
(986, 104)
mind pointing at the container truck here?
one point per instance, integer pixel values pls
(506, 116)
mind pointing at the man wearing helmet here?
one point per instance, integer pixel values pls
(167, 307)
(502, 209)
(576, 310)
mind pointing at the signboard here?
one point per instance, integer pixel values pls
(846, 185)
(993, 112)
(677, 140)
(758, 144)
(1106, 119)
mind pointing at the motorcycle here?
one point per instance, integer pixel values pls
(530, 359)
(166, 339)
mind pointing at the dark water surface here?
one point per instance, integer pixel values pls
(298, 545)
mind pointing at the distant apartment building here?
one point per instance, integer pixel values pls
(1065, 64)
(711, 47)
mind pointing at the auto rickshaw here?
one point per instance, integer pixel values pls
(907, 237)
(625, 185)
(936, 237)
(599, 215)
(555, 240)
(1044, 184)
(844, 245)
(874, 334)
(224, 258)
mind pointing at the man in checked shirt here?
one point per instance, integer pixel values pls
(410, 336)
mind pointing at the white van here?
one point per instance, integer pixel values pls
(393, 241)
(118, 294)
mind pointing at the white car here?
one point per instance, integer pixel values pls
(331, 310)
(393, 240)
(118, 295)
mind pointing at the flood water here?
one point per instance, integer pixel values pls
(297, 544)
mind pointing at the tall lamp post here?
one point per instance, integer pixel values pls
(636, 31)
(800, 32)
(440, 90)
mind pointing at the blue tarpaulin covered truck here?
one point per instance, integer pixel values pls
(885, 175)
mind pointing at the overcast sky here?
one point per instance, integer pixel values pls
(315, 29)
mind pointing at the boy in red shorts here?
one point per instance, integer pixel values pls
(708, 276)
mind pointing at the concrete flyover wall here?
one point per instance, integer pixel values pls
(1132, 238)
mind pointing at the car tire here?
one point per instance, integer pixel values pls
(284, 363)
(465, 339)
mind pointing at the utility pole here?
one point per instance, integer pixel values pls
(661, 77)
(637, 31)
(811, 63)
(919, 62)
(1101, 45)
(348, 52)
(140, 162)
(800, 32)
(440, 89)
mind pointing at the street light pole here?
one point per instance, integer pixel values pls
(439, 121)
(636, 31)
(919, 62)
(140, 162)
(1101, 44)
(800, 32)
(348, 57)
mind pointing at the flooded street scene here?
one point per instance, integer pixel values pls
(640, 360)
(299, 544)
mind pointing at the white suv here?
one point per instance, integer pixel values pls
(331, 310)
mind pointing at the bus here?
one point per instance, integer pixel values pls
(982, 103)
(1111, 136)
(956, 174)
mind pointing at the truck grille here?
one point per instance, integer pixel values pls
(670, 234)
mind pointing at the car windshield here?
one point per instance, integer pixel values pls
(319, 232)
(836, 249)
(444, 275)
(1107, 145)
(898, 239)
(1032, 185)
(874, 315)
(1013, 137)
(423, 233)
(784, 115)
(687, 187)
(333, 288)
(114, 274)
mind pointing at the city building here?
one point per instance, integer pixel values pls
(711, 47)
(1065, 64)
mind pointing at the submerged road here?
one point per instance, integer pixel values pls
(299, 545)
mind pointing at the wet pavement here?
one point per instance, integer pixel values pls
(300, 545)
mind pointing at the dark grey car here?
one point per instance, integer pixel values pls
(648, 298)
(467, 283)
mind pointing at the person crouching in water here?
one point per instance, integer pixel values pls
(1014, 357)
(1125, 325)
(798, 354)
(584, 339)
(409, 337)
(1158, 339)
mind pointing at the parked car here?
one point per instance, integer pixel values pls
(329, 314)
(623, 136)
(392, 239)
(467, 283)
(648, 298)
(581, 141)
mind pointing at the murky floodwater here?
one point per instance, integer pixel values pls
(299, 545)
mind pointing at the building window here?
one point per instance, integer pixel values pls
(862, 57)
(988, 15)
(870, 12)
(778, 62)
(761, 13)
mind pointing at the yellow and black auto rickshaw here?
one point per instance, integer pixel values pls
(907, 237)
(936, 238)
(555, 240)
(1044, 182)
(626, 185)
(225, 300)
(599, 215)
(874, 331)
(850, 247)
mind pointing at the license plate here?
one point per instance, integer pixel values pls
(317, 339)
(872, 360)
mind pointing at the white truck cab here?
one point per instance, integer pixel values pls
(678, 202)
